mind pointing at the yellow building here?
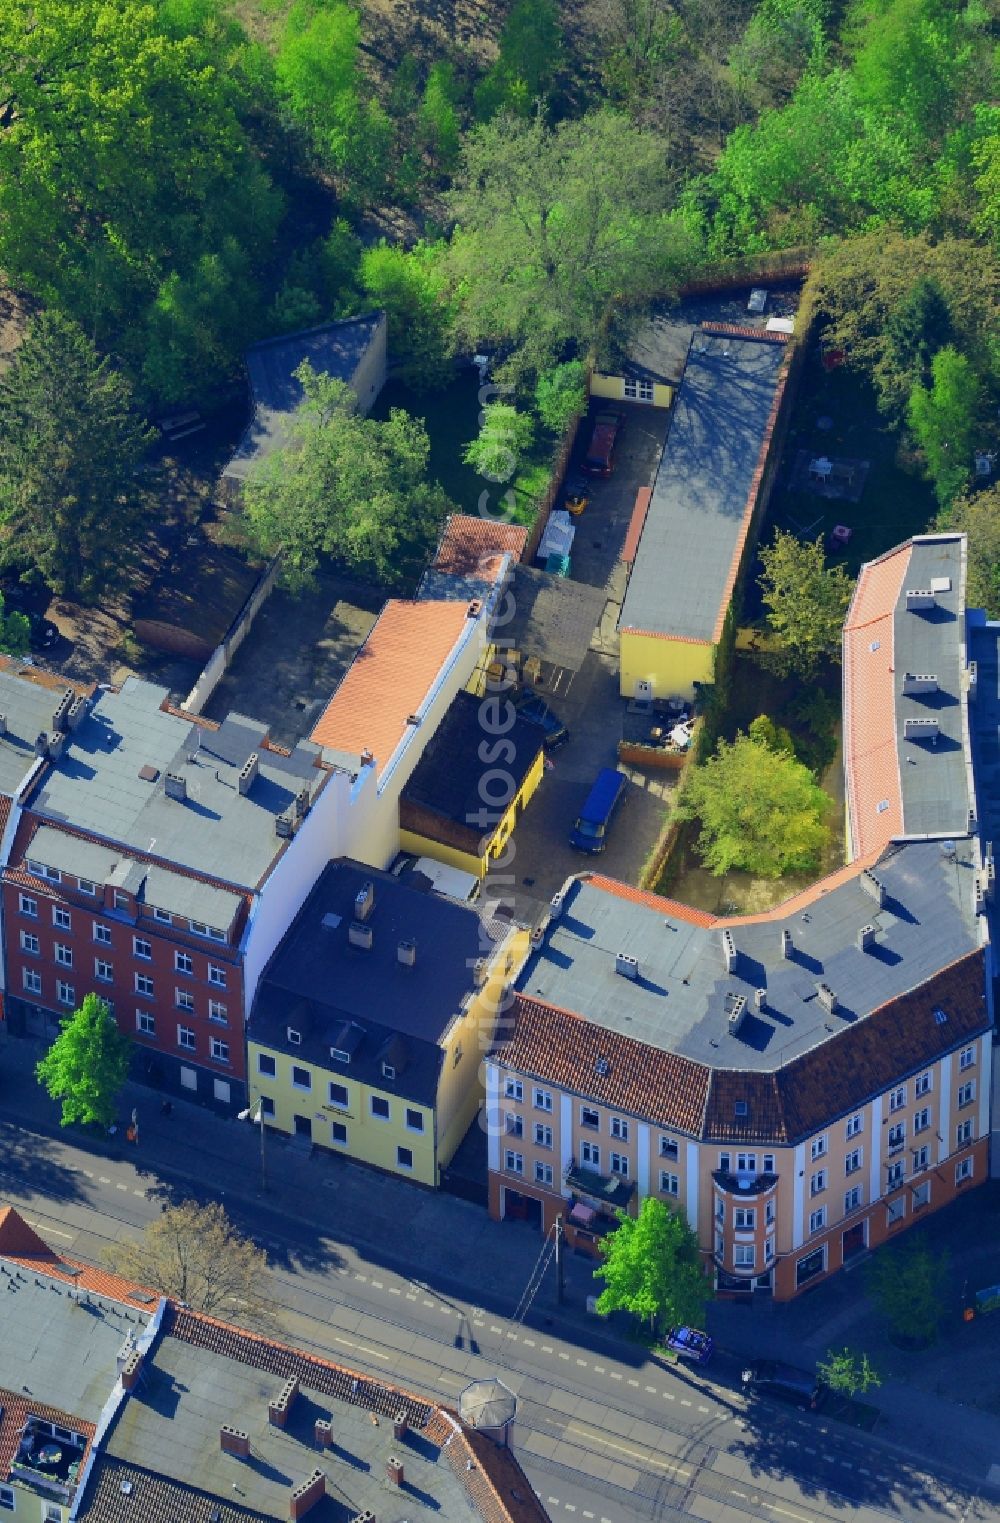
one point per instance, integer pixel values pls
(370, 1026)
(472, 784)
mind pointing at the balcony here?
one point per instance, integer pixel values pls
(47, 1463)
(744, 1185)
(603, 1191)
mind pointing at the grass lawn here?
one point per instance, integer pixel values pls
(452, 420)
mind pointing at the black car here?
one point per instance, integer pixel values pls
(767, 1377)
(44, 634)
(536, 711)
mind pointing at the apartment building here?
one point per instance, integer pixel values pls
(157, 860)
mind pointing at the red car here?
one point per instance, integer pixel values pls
(600, 456)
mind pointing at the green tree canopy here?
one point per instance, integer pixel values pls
(70, 442)
(409, 284)
(524, 72)
(978, 516)
(505, 437)
(561, 395)
(806, 601)
(15, 632)
(944, 418)
(908, 1282)
(652, 1267)
(759, 810)
(345, 486)
(87, 1065)
(848, 1372)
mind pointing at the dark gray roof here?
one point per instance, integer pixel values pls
(442, 587)
(935, 778)
(447, 779)
(657, 345)
(553, 618)
(334, 349)
(984, 717)
(678, 1001)
(27, 708)
(96, 786)
(681, 574)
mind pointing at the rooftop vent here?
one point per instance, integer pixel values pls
(394, 1471)
(414, 720)
(873, 886)
(3, 724)
(148, 773)
(234, 1441)
(475, 608)
(279, 1406)
(323, 1433)
(729, 951)
(284, 825)
(602, 1068)
(940, 1017)
(866, 938)
(56, 744)
(556, 904)
(301, 804)
(174, 785)
(61, 715)
(760, 999)
(479, 970)
(736, 1009)
(626, 965)
(919, 597)
(827, 998)
(367, 757)
(921, 729)
(307, 1496)
(330, 921)
(248, 773)
(364, 900)
(786, 944)
(940, 584)
(79, 709)
(42, 743)
(360, 936)
(406, 953)
(400, 1427)
(741, 1109)
(919, 682)
(537, 936)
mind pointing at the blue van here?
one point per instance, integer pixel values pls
(591, 829)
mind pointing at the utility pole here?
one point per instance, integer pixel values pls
(560, 1261)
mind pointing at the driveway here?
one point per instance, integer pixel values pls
(601, 529)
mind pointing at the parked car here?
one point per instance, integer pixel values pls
(600, 457)
(590, 833)
(688, 1343)
(785, 1382)
(536, 711)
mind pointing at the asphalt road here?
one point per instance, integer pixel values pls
(601, 1435)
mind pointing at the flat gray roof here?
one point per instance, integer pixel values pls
(984, 717)
(657, 345)
(680, 577)
(934, 774)
(553, 618)
(334, 349)
(27, 708)
(678, 1001)
(96, 787)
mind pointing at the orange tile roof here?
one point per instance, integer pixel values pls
(21, 1245)
(390, 677)
(14, 1412)
(472, 546)
(871, 759)
(671, 908)
(636, 524)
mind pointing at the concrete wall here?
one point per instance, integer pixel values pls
(671, 666)
(369, 378)
(224, 652)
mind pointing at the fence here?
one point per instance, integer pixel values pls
(780, 264)
(218, 662)
(552, 491)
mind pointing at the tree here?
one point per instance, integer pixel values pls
(195, 1254)
(806, 602)
(505, 436)
(530, 48)
(345, 486)
(438, 119)
(908, 1281)
(848, 1372)
(70, 443)
(561, 395)
(979, 518)
(918, 328)
(944, 418)
(759, 810)
(409, 284)
(15, 632)
(652, 1268)
(86, 1065)
(774, 736)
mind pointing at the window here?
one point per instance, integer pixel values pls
(404, 1158)
(619, 1164)
(206, 930)
(854, 1124)
(724, 1163)
(414, 1120)
(669, 1183)
(216, 975)
(102, 933)
(41, 871)
(921, 1195)
(145, 1023)
(514, 1089)
(295, 1037)
(163, 917)
(144, 985)
(897, 1098)
(28, 906)
(769, 1249)
(966, 1092)
(896, 1211)
(669, 1148)
(337, 1094)
(590, 1154)
(456, 1056)
(30, 942)
(184, 999)
(819, 1147)
(65, 993)
(62, 918)
(388, 1071)
(103, 971)
(543, 1135)
(963, 1133)
(963, 1171)
(769, 1214)
(380, 1108)
(719, 1245)
(619, 1128)
(922, 1084)
(922, 1120)
(185, 1038)
(897, 1135)
(744, 1255)
(817, 1219)
(515, 1124)
(7, 1497)
(818, 1182)
(543, 1100)
(218, 1012)
(921, 1159)
(852, 1162)
(894, 1174)
(31, 979)
(543, 1173)
(64, 955)
(638, 391)
(122, 901)
(301, 1077)
(852, 1200)
(266, 1065)
(746, 1163)
(338, 1133)
(142, 948)
(513, 1162)
(744, 1218)
(966, 1058)
(51, 1512)
(85, 886)
(720, 1209)
(768, 1163)
(219, 1050)
(183, 962)
(590, 1118)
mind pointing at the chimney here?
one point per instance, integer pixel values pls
(3, 724)
(301, 803)
(360, 936)
(284, 825)
(918, 682)
(556, 905)
(787, 949)
(415, 720)
(280, 1406)
(79, 709)
(760, 999)
(367, 757)
(873, 886)
(234, 1441)
(131, 1370)
(406, 953)
(305, 1497)
(479, 968)
(56, 744)
(364, 900)
(866, 938)
(736, 1009)
(62, 710)
(248, 773)
(729, 951)
(175, 786)
(42, 743)
(919, 597)
(626, 965)
(323, 1433)
(364, 1517)
(475, 609)
(394, 1471)
(980, 896)
(827, 998)
(921, 729)
(400, 1427)
(973, 680)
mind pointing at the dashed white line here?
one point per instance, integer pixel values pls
(141, 1194)
(410, 1296)
(429, 1303)
(668, 1396)
(102, 1179)
(651, 1390)
(495, 1329)
(847, 1464)
(546, 1348)
(634, 1383)
(704, 1409)
(685, 1402)
(615, 1375)
(582, 1362)
(120, 1186)
(529, 1342)
(360, 1276)
(394, 1290)
(598, 1369)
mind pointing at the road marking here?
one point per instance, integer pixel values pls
(141, 1194)
(669, 1396)
(598, 1369)
(583, 1362)
(529, 1342)
(120, 1186)
(685, 1402)
(410, 1296)
(102, 1179)
(809, 1449)
(570, 1506)
(546, 1347)
(360, 1276)
(847, 1464)
(863, 1471)
(553, 1500)
(648, 1459)
(361, 1348)
(429, 1303)
(615, 1375)
(89, 1173)
(446, 1310)
(634, 1383)
(587, 1514)
(394, 1290)
(563, 1356)
(50, 1231)
(377, 1285)
(786, 1512)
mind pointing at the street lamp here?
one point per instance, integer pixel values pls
(255, 1114)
